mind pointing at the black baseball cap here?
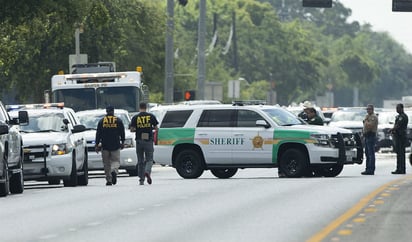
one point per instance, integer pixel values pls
(110, 108)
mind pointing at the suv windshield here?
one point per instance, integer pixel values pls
(90, 120)
(45, 122)
(283, 117)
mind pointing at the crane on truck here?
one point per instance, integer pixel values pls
(94, 86)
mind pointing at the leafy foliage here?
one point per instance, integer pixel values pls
(298, 52)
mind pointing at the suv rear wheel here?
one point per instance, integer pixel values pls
(293, 163)
(223, 172)
(189, 164)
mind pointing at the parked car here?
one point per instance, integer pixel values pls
(11, 152)
(54, 145)
(349, 118)
(225, 138)
(128, 158)
(386, 120)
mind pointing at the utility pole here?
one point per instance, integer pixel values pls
(201, 63)
(168, 89)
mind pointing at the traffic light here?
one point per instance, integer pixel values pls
(401, 5)
(317, 3)
(190, 95)
(183, 2)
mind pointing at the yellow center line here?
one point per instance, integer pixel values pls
(351, 212)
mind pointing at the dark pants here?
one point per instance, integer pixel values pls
(144, 151)
(370, 142)
(399, 145)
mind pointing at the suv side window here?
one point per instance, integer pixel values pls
(72, 119)
(175, 119)
(217, 118)
(247, 118)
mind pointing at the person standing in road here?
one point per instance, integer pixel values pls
(110, 136)
(399, 139)
(143, 124)
(370, 127)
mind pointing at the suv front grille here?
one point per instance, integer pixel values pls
(348, 139)
(35, 151)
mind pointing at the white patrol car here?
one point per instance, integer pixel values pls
(54, 145)
(128, 158)
(223, 138)
(11, 152)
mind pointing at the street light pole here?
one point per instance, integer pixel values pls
(201, 63)
(168, 88)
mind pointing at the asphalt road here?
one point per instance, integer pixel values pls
(254, 205)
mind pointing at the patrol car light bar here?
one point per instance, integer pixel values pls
(95, 76)
(34, 106)
(248, 102)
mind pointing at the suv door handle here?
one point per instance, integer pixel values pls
(238, 134)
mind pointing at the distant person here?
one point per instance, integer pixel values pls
(143, 124)
(111, 135)
(312, 116)
(370, 127)
(400, 139)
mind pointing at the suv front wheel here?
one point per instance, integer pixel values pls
(223, 172)
(189, 164)
(293, 163)
(329, 171)
(71, 181)
(4, 187)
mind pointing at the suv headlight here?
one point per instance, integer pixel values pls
(61, 149)
(128, 143)
(322, 140)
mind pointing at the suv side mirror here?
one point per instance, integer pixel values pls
(23, 118)
(78, 128)
(260, 123)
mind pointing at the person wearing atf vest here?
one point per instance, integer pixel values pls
(109, 140)
(143, 125)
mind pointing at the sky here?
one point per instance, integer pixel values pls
(379, 14)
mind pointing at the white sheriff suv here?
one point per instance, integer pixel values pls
(11, 152)
(128, 157)
(224, 138)
(54, 145)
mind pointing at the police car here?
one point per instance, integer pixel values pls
(128, 158)
(11, 152)
(224, 138)
(54, 145)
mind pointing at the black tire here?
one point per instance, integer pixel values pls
(223, 173)
(17, 179)
(189, 164)
(84, 178)
(17, 183)
(72, 180)
(329, 171)
(132, 172)
(410, 159)
(54, 181)
(4, 187)
(293, 163)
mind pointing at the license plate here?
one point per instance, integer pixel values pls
(349, 156)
